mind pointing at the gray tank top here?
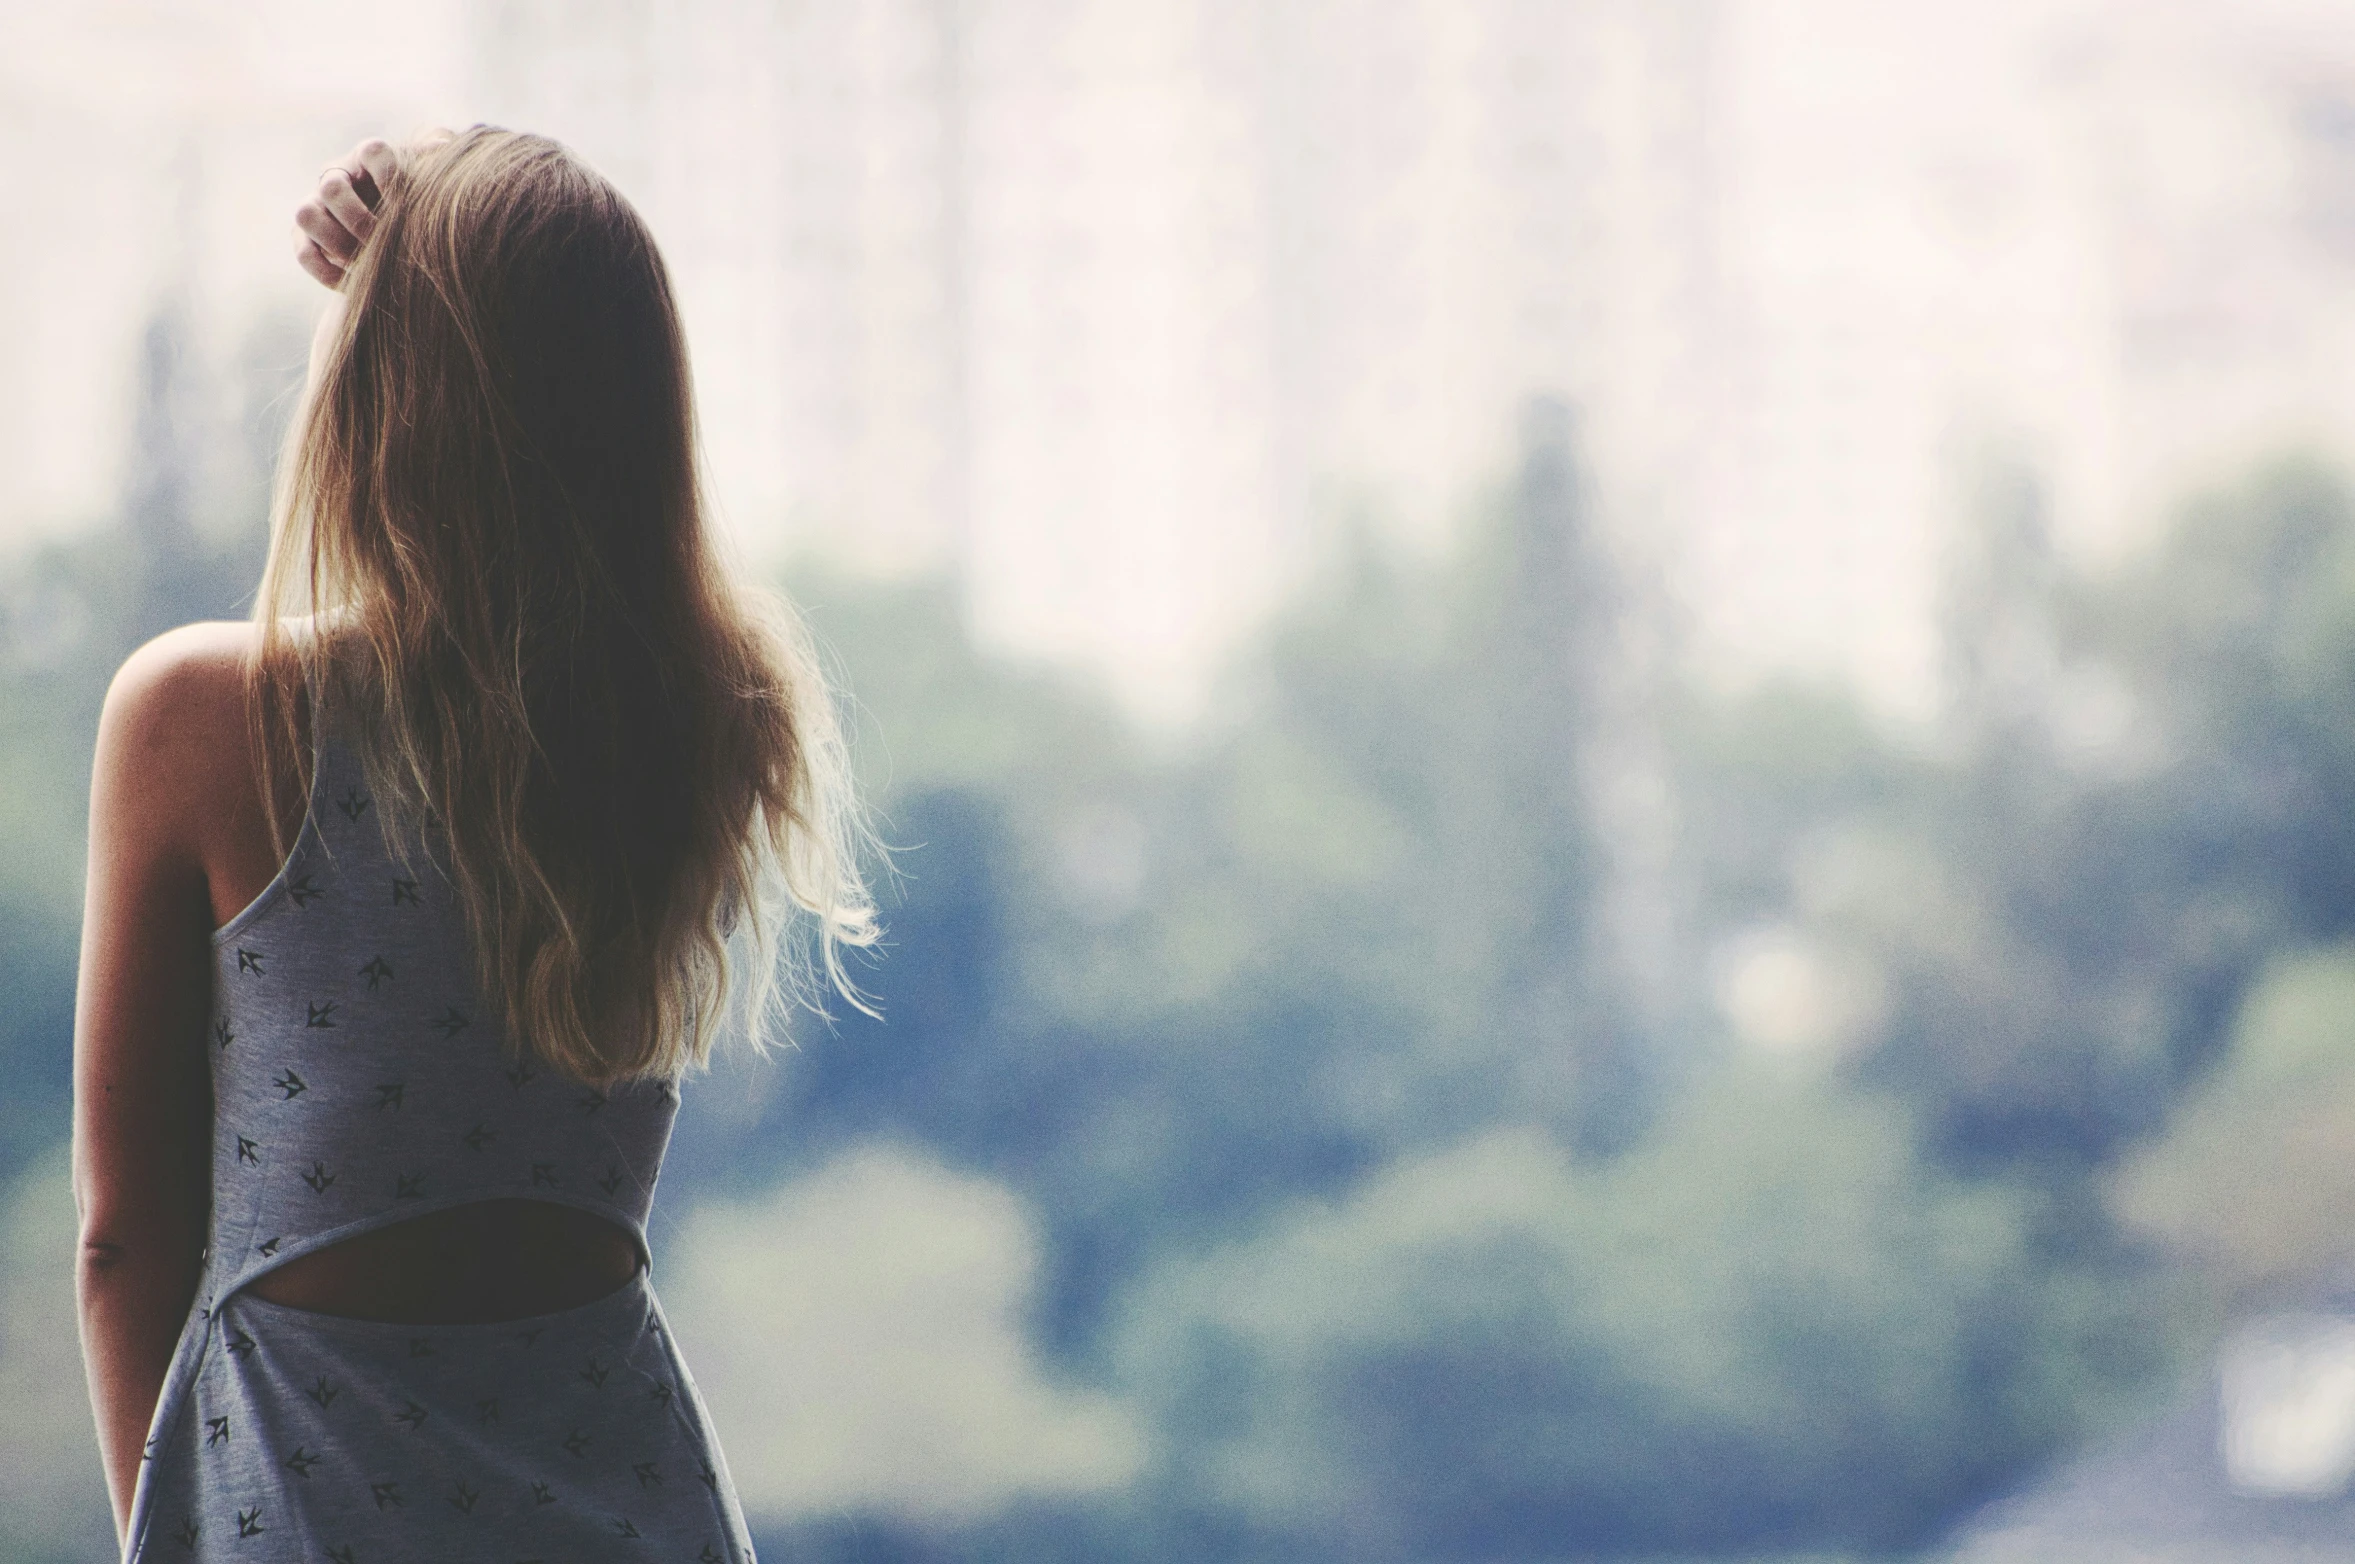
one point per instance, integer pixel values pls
(358, 1077)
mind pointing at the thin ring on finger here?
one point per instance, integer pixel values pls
(349, 178)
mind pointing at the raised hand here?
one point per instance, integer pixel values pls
(330, 228)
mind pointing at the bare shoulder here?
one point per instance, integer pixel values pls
(172, 731)
(179, 685)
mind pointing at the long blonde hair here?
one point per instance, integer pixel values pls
(490, 512)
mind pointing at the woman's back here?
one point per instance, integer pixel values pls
(360, 1084)
(411, 903)
(476, 1260)
(444, 1214)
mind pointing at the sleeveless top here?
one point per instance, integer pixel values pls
(359, 1077)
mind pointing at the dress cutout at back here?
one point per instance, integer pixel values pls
(359, 1079)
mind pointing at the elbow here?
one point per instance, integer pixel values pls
(100, 1263)
(99, 1255)
(108, 1253)
(149, 1237)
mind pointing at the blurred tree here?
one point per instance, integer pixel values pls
(1330, 952)
(2252, 1179)
(158, 507)
(1405, 813)
(1767, 1325)
(69, 613)
(1159, 998)
(53, 1505)
(2147, 791)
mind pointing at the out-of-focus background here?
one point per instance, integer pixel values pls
(1623, 734)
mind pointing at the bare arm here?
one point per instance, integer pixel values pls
(168, 771)
(167, 777)
(142, 1093)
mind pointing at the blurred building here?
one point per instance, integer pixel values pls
(1116, 303)
(151, 154)
(1121, 304)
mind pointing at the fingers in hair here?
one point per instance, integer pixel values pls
(343, 203)
(373, 163)
(327, 232)
(315, 261)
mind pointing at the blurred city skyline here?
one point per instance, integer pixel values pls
(1121, 306)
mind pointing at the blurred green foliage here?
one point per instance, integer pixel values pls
(1764, 1320)
(1422, 1209)
(70, 611)
(2252, 1175)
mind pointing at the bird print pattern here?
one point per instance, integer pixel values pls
(359, 1080)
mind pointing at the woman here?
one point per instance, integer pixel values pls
(411, 901)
